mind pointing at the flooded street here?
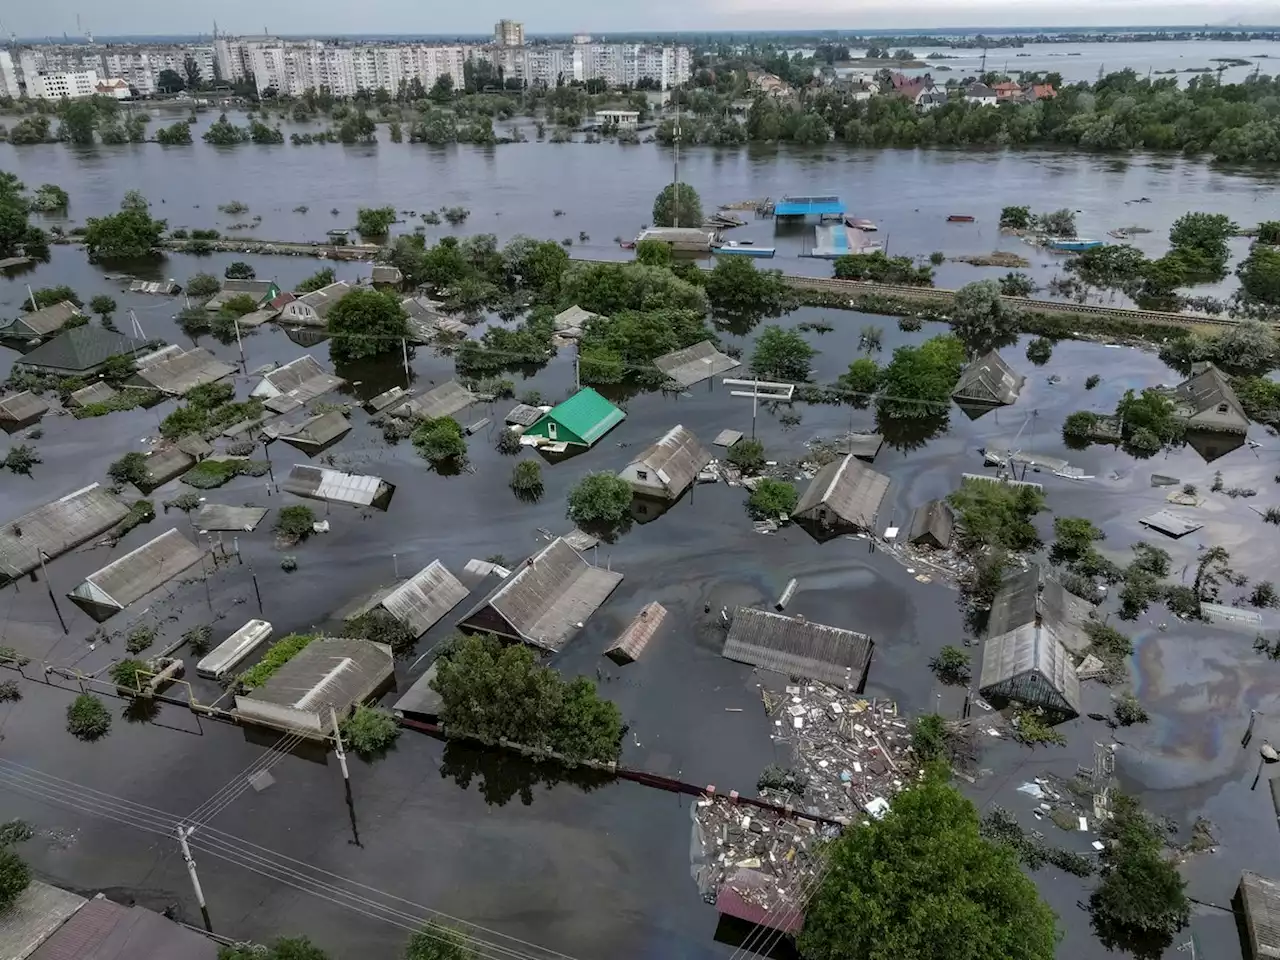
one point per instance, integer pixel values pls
(603, 871)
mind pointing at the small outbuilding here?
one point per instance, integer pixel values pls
(41, 323)
(217, 516)
(523, 415)
(99, 392)
(388, 400)
(21, 410)
(261, 292)
(633, 640)
(1171, 524)
(442, 401)
(334, 486)
(313, 435)
(843, 495)
(694, 364)
(577, 422)
(569, 323)
(54, 528)
(156, 288)
(420, 602)
(988, 381)
(174, 371)
(386, 275)
(163, 464)
(80, 351)
(327, 677)
(669, 467)
(106, 592)
(796, 647)
(1025, 659)
(421, 702)
(932, 524)
(545, 600)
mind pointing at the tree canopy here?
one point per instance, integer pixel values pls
(922, 883)
(782, 355)
(366, 323)
(130, 233)
(992, 514)
(918, 381)
(981, 319)
(600, 500)
(735, 288)
(678, 205)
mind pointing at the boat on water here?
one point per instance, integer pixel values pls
(858, 223)
(743, 248)
(959, 218)
(1074, 244)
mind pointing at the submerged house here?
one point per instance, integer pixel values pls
(694, 364)
(313, 435)
(21, 410)
(1205, 401)
(55, 528)
(79, 351)
(843, 495)
(1025, 658)
(442, 401)
(932, 524)
(669, 467)
(796, 647)
(988, 381)
(261, 292)
(42, 323)
(419, 603)
(310, 309)
(545, 600)
(334, 486)
(1259, 898)
(174, 371)
(577, 422)
(106, 592)
(300, 380)
(569, 323)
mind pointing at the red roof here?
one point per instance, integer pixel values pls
(280, 302)
(1044, 91)
(731, 903)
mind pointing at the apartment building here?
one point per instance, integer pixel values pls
(508, 33)
(10, 86)
(55, 86)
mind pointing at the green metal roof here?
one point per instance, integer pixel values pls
(586, 414)
(81, 348)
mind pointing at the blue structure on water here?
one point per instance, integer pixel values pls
(826, 207)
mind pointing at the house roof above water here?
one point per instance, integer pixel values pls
(80, 349)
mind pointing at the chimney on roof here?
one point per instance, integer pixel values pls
(799, 618)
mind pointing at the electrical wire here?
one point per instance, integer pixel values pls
(142, 817)
(223, 797)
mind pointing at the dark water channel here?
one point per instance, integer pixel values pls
(604, 873)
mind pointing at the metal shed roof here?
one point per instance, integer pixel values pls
(420, 701)
(1171, 524)
(848, 489)
(419, 602)
(694, 364)
(523, 415)
(216, 516)
(989, 380)
(586, 414)
(1260, 898)
(23, 407)
(320, 483)
(175, 371)
(42, 322)
(56, 527)
(136, 574)
(797, 647)
(675, 459)
(545, 599)
(824, 206)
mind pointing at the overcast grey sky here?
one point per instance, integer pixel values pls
(319, 17)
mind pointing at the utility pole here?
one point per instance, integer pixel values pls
(346, 776)
(675, 222)
(52, 599)
(240, 343)
(404, 350)
(32, 297)
(183, 834)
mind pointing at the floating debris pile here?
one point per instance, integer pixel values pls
(849, 755)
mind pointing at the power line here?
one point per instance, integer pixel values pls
(233, 850)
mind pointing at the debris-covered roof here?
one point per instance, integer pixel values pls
(674, 461)
(848, 489)
(1260, 899)
(633, 640)
(388, 398)
(694, 364)
(133, 576)
(56, 527)
(175, 371)
(419, 602)
(80, 349)
(989, 380)
(326, 674)
(302, 380)
(22, 407)
(932, 523)
(796, 647)
(217, 516)
(321, 483)
(545, 600)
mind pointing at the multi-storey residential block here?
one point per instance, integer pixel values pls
(508, 33)
(55, 86)
(9, 83)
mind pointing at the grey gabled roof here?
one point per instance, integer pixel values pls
(420, 700)
(849, 489)
(675, 459)
(164, 463)
(989, 380)
(33, 917)
(302, 379)
(694, 364)
(99, 392)
(175, 371)
(136, 574)
(22, 407)
(1204, 392)
(80, 348)
(442, 401)
(323, 300)
(56, 527)
(42, 322)
(1260, 900)
(338, 673)
(419, 602)
(523, 415)
(545, 598)
(934, 519)
(315, 433)
(796, 647)
(217, 516)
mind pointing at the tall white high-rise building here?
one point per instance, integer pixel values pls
(9, 84)
(508, 33)
(55, 86)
